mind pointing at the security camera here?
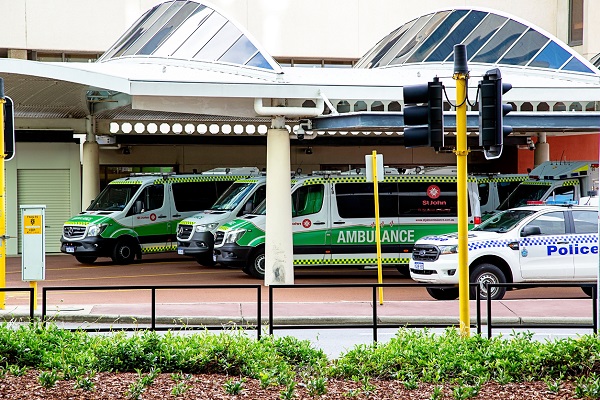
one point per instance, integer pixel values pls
(303, 126)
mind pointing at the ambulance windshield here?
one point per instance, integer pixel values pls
(233, 196)
(524, 193)
(114, 197)
(503, 222)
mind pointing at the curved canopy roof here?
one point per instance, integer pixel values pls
(189, 30)
(489, 37)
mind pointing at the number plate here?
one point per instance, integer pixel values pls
(420, 266)
(70, 249)
(180, 251)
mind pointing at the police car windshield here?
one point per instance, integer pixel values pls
(114, 197)
(504, 222)
(524, 193)
(233, 196)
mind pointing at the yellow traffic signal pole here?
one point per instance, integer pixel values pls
(461, 74)
(377, 226)
(2, 202)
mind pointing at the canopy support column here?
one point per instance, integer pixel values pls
(91, 166)
(542, 150)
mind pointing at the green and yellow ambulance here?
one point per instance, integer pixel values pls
(333, 221)
(139, 214)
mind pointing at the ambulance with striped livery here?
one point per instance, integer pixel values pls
(333, 220)
(138, 214)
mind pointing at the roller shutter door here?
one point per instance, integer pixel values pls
(51, 188)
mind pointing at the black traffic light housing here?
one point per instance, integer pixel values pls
(491, 113)
(424, 115)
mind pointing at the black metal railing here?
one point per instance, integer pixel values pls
(153, 289)
(31, 298)
(374, 319)
(374, 325)
(521, 325)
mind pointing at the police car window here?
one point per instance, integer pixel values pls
(585, 221)
(552, 223)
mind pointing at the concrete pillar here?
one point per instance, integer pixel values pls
(90, 186)
(542, 150)
(279, 253)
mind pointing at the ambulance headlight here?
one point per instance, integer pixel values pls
(206, 227)
(448, 249)
(234, 236)
(95, 230)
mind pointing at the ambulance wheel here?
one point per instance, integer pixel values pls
(443, 293)
(256, 264)
(484, 274)
(124, 252)
(205, 260)
(86, 259)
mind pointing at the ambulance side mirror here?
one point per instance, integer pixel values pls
(530, 230)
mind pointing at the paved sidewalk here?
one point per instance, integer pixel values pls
(529, 312)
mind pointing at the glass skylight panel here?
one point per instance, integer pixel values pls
(205, 32)
(151, 31)
(490, 25)
(552, 56)
(169, 27)
(454, 29)
(406, 38)
(184, 31)
(220, 43)
(363, 61)
(576, 66)
(390, 41)
(259, 61)
(500, 42)
(154, 14)
(241, 51)
(126, 36)
(432, 33)
(525, 48)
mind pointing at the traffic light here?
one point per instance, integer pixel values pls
(9, 129)
(491, 113)
(424, 115)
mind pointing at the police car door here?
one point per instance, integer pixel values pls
(152, 218)
(545, 254)
(585, 243)
(310, 210)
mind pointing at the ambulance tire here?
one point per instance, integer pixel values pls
(205, 260)
(86, 259)
(443, 293)
(124, 252)
(256, 264)
(487, 273)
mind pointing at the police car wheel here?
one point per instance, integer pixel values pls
(256, 268)
(124, 252)
(86, 259)
(485, 274)
(443, 293)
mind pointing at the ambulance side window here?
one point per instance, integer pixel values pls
(307, 200)
(552, 223)
(152, 198)
(484, 192)
(585, 221)
(563, 193)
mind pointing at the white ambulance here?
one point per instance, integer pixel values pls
(530, 244)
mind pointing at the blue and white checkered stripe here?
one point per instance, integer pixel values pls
(546, 240)
(536, 241)
(489, 244)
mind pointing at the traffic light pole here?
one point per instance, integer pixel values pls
(461, 75)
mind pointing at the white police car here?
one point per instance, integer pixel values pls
(525, 244)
